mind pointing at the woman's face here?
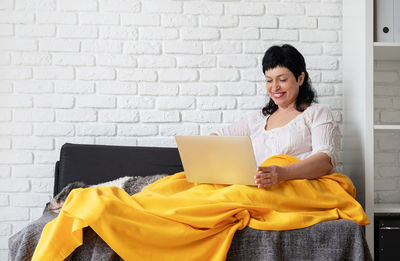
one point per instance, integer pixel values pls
(282, 86)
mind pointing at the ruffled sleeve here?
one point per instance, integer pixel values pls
(325, 133)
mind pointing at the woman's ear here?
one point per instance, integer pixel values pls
(301, 78)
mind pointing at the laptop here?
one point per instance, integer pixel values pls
(217, 159)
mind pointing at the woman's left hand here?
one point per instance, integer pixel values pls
(269, 176)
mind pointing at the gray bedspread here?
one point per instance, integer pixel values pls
(331, 240)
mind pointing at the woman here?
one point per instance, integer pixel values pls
(291, 123)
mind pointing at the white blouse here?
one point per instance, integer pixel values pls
(312, 131)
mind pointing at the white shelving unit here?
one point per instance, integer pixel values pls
(358, 114)
(359, 53)
(386, 127)
(386, 51)
(387, 208)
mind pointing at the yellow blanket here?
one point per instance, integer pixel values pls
(173, 219)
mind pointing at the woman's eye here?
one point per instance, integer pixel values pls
(283, 80)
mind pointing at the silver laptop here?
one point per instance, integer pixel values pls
(217, 159)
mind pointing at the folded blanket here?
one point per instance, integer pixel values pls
(173, 219)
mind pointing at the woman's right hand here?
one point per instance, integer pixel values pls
(269, 176)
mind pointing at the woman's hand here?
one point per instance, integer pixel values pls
(269, 176)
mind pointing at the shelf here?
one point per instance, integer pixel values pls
(386, 127)
(387, 44)
(387, 51)
(387, 208)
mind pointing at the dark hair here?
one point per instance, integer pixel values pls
(288, 56)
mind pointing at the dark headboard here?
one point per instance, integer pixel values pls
(93, 164)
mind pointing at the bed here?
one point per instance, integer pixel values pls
(93, 164)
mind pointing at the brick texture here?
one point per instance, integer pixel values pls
(387, 143)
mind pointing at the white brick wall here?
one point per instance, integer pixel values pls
(138, 72)
(387, 143)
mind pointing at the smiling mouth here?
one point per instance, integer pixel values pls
(278, 94)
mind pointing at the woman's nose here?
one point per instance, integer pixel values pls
(275, 86)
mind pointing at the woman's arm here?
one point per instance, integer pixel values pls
(313, 167)
(239, 128)
(325, 137)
